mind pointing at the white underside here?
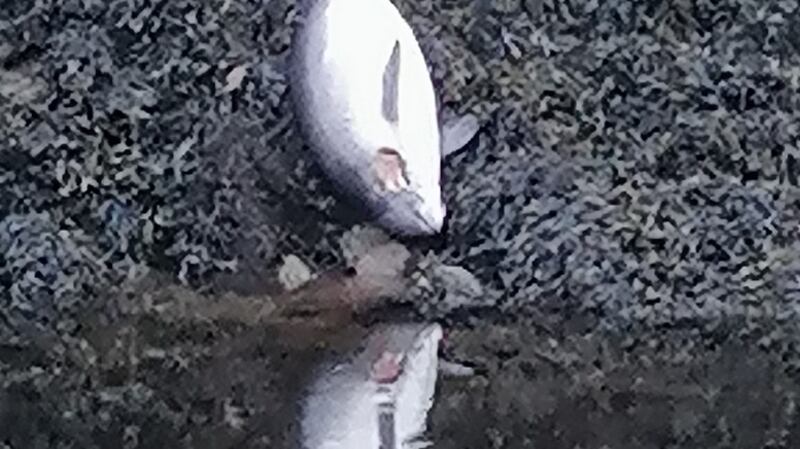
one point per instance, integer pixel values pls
(346, 83)
(356, 54)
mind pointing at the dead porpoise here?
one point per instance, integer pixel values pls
(367, 106)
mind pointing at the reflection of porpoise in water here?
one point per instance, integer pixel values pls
(377, 397)
(366, 103)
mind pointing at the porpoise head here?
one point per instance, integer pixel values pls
(411, 202)
(412, 212)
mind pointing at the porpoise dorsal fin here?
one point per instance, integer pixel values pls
(391, 84)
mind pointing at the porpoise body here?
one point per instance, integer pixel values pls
(367, 106)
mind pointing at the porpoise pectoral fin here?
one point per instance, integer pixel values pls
(457, 132)
(391, 85)
(455, 369)
(418, 444)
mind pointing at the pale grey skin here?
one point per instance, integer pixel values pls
(337, 133)
(340, 409)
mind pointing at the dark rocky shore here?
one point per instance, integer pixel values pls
(628, 219)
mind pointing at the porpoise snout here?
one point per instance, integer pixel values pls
(409, 214)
